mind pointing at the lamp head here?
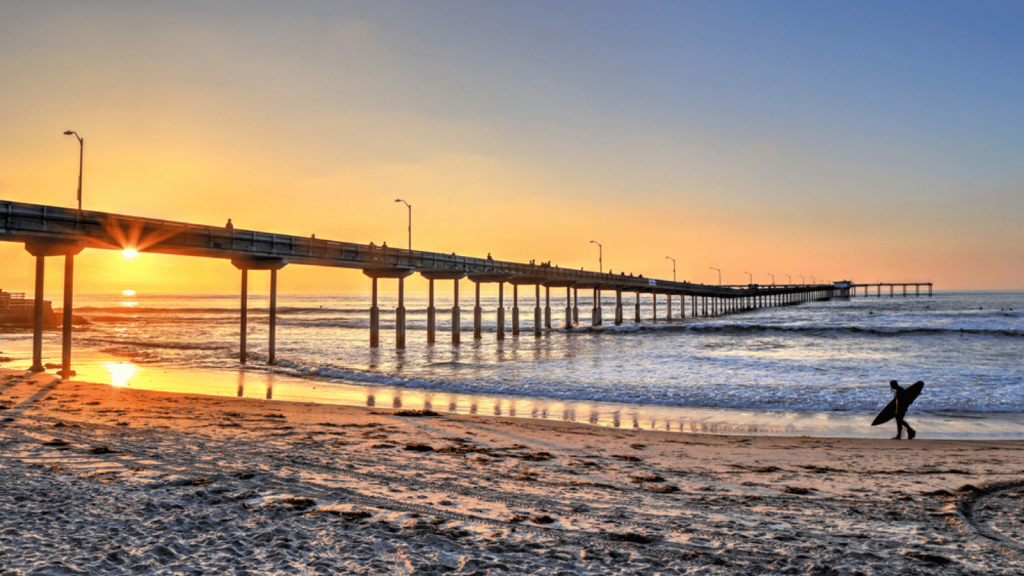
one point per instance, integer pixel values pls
(68, 132)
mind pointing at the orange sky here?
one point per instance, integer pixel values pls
(508, 138)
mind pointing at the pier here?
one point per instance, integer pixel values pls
(852, 288)
(49, 231)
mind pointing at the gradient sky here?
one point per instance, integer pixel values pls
(860, 140)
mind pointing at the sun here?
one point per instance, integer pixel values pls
(129, 253)
(128, 292)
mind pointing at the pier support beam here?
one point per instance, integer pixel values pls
(618, 307)
(547, 307)
(575, 306)
(515, 309)
(41, 250)
(456, 315)
(37, 320)
(400, 316)
(430, 312)
(596, 313)
(501, 311)
(637, 318)
(242, 354)
(400, 274)
(272, 343)
(65, 341)
(246, 264)
(654, 306)
(668, 306)
(374, 316)
(568, 308)
(478, 314)
(536, 311)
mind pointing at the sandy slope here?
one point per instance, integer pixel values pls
(98, 479)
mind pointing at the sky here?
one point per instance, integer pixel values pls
(868, 141)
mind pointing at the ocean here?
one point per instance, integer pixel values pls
(813, 368)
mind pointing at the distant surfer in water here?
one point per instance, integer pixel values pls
(903, 397)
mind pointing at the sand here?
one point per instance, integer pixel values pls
(97, 479)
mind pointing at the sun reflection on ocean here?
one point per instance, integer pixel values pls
(129, 302)
(120, 372)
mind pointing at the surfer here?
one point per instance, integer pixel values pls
(903, 398)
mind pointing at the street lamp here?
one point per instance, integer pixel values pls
(673, 267)
(802, 281)
(812, 280)
(773, 278)
(81, 153)
(790, 278)
(410, 220)
(719, 275)
(751, 276)
(600, 256)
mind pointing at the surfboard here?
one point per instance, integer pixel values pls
(889, 412)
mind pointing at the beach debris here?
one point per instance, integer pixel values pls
(102, 450)
(631, 537)
(298, 503)
(414, 413)
(419, 447)
(796, 490)
(646, 478)
(933, 559)
(543, 519)
(661, 488)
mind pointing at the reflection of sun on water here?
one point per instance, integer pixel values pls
(120, 372)
(128, 303)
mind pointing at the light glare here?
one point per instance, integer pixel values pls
(129, 253)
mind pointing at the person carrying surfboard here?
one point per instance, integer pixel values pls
(897, 408)
(903, 398)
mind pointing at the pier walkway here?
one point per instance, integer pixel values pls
(54, 231)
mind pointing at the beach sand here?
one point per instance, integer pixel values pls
(102, 479)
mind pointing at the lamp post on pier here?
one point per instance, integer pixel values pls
(410, 220)
(802, 281)
(812, 280)
(719, 275)
(773, 278)
(600, 256)
(751, 276)
(790, 278)
(81, 154)
(673, 267)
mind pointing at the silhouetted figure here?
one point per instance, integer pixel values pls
(312, 237)
(229, 225)
(903, 401)
(489, 256)
(384, 246)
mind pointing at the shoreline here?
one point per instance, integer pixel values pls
(190, 482)
(265, 382)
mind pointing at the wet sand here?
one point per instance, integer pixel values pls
(103, 479)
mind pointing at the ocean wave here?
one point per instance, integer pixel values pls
(740, 329)
(155, 345)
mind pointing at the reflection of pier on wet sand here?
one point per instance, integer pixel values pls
(52, 231)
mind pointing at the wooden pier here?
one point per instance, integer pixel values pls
(53, 231)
